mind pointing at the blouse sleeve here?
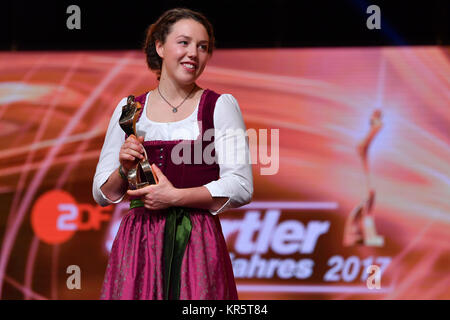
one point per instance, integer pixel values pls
(233, 156)
(109, 156)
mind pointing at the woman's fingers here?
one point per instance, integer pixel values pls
(135, 141)
(131, 150)
(151, 205)
(127, 157)
(134, 145)
(139, 192)
(129, 154)
(134, 153)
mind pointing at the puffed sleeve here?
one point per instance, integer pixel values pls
(233, 156)
(109, 156)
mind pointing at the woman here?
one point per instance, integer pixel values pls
(148, 260)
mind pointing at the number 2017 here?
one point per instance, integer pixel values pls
(348, 269)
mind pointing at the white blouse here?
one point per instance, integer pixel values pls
(236, 180)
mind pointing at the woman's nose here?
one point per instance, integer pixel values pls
(192, 51)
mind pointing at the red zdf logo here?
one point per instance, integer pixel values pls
(56, 216)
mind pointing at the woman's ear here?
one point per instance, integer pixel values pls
(159, 48)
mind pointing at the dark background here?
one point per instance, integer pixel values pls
(106, 25)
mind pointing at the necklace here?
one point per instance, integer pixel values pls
(175, 109)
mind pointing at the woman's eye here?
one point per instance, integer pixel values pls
(183, 42)
(204, 47)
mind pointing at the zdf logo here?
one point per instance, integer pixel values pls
(56, 216)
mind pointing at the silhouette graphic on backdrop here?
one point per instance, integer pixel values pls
(360, 225)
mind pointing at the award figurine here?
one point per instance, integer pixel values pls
(142, 175)
(360, 225)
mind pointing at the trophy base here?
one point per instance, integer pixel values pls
(360, 229)
(142, 175)
(377, 241)
(371, 238)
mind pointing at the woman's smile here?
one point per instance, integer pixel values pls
(189, 67)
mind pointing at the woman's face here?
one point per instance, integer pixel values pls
(187, 43)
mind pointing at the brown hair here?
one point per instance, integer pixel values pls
(162, 27)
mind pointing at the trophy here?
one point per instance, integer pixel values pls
(142, 175)
(360, 225)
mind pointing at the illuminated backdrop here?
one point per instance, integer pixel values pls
(287, 243)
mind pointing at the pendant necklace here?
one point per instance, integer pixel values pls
(175, 109)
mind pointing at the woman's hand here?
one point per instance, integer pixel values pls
(131, 152)
(157, 196)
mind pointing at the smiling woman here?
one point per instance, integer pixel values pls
(160, 33)
(170, 245)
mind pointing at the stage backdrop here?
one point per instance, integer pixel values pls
(351, 196)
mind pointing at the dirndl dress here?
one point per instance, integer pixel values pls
(147, 260)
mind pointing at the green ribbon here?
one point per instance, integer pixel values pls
(135, 203)
(176, 236)
(177, 231)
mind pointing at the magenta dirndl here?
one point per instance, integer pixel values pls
(136, 262)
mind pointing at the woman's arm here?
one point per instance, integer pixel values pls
(233, 189)
(198, 197)
(232, 154)
(163, 195)
(130, 153)
(108, 187)
(115, 187)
